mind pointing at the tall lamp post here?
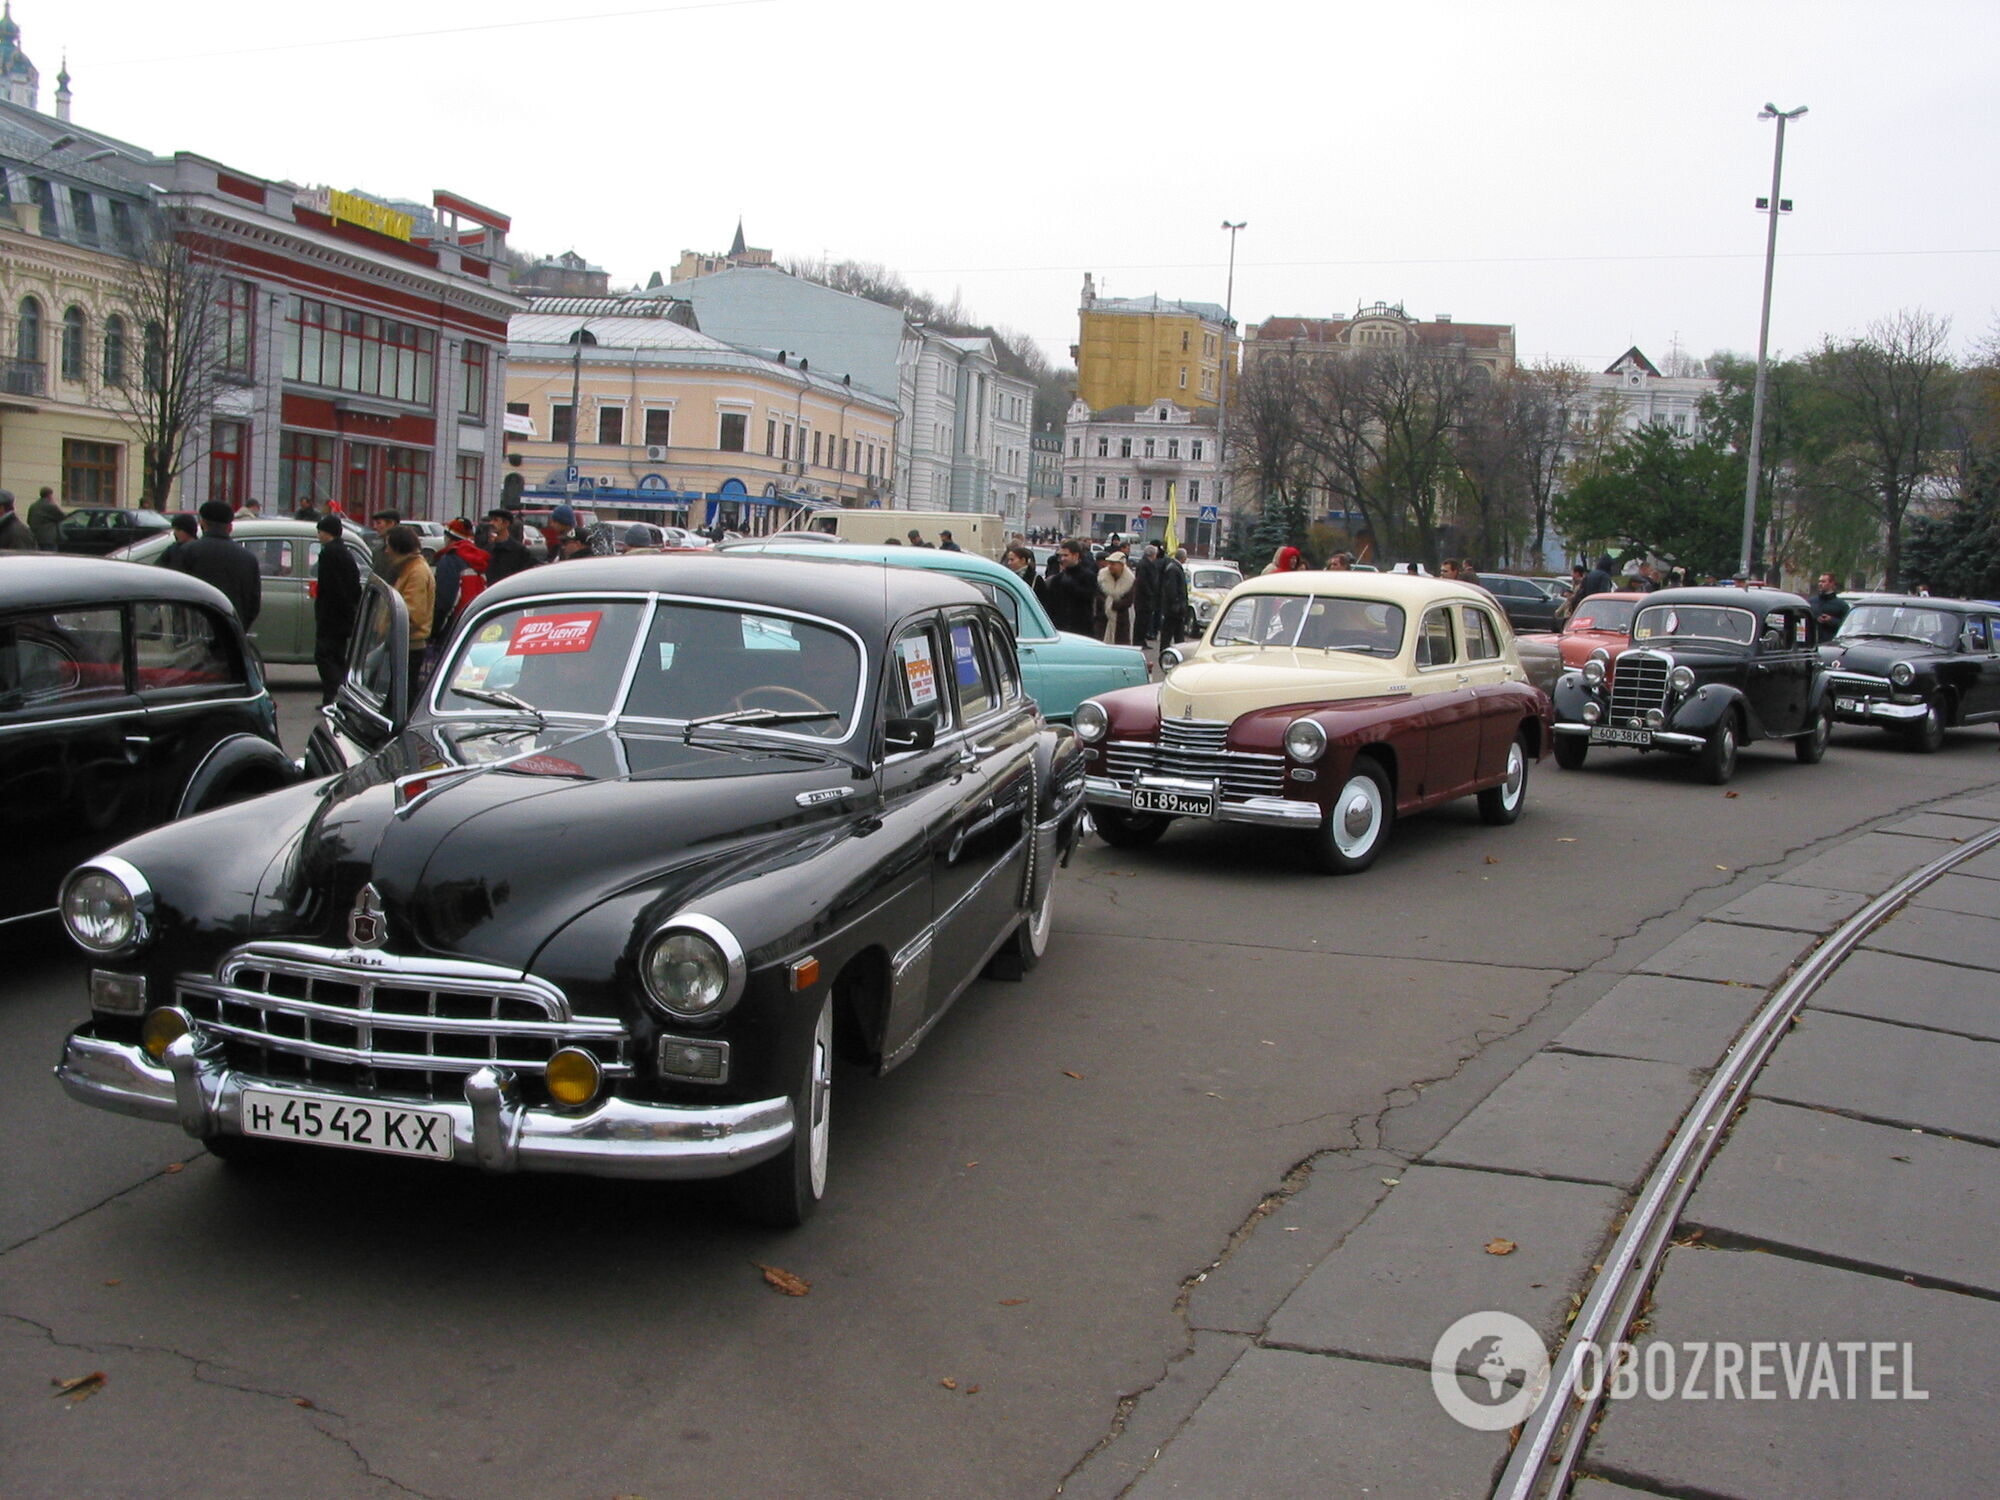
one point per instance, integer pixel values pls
(1773, 206)
(1222, 405)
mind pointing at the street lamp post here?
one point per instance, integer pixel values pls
(1773, 206)
(1225, 506)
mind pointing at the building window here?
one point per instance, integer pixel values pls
(305, 470)
(28, 332)
(611, 426)
(347, 350)
(1194, 492)
(1100, 486)
(517, 409)
(1173, 447)
(816, 462)
(1072, 486)
(730, 436)
(72, 344)
(843, 455)
(90, 473)
(121, 222)
(770, 437)
(659, 426)
(472, 356)
(561, 428)
(1124, 489)
(1149, 447)
(228, 455)
(114, 350)
(1076, 447)
(785, 443)
(153, 358)
(1184, 341)
(1124, 447)
(1194, 449)
(1104, 447)
(1145, 489)
(45, 200)
(408, 472)
(239, 327)
(470, 470)
(84, 211)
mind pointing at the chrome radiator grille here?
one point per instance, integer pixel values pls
(1638, 683)
(1196, 749)
(409, 1026)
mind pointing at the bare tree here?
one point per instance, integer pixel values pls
(171, 296)
(1887, 399)
(1269, 455)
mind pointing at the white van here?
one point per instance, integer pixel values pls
(974, 531)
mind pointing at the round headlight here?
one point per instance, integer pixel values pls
(160, 1029)
(1592, 712)
(1305, 740)
(1681, 679)
(104, 906)
(1902, 674)
(573, 1076)
(694, 968)
(1091, 722)
(1593, 672)
(1656, 718)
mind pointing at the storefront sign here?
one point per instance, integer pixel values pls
(352, 209)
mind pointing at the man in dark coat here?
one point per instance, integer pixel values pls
(508, 554)
(336, 599)
(1173, 598)
(185, 529)
(1073, 591)
(1597, 581)
(1829, 609)
(228, 565)
(1146, 623)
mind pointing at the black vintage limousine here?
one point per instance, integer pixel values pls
(663, 835)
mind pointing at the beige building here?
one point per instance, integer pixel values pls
(1381, 326)
(672, 425)
(1132, 351)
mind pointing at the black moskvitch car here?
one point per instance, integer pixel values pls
(1709, 671)
(128, 697)
(663, 836)
(1915, 666)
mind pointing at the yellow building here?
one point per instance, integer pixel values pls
(63, 331)
(672, 425)
(1133, 351)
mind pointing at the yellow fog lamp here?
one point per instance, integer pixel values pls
(160, 1029)
(574, 1077)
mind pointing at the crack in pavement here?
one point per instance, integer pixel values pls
(205, 1371)
(108, 1198)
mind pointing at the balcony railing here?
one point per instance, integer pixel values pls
(24, 377)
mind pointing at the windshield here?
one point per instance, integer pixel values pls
(1604, 614)
(1704, 622)
(1214, 578)
(1896, 622)
(1368, 627)
(762, 670)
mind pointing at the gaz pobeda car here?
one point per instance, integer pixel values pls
(1327, 703)
(664, 835)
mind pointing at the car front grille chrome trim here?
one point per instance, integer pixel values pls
(1197, 749)
(1638, 685)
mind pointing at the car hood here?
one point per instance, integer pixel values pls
(1238, 680)
(1875, 657)
(489, 863)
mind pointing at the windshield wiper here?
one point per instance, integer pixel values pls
(756, 718)
(502, 700)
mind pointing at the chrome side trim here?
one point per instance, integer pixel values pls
(137, 706)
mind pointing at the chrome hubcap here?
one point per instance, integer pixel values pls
(820, 1101)
(1517, 775)
(1357, 816)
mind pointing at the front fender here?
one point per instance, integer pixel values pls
(1569, 696)
(242, 759)
(1704, 710)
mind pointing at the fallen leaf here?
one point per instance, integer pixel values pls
(1899, 1158)
(1012, 1301)
(1722, 867)
(1390, 1181)
(972, 1164)
(176, 1166)
(1500, 1247)
(80, 1387)
(948, 1383)
(1492, 859)
(115, 1281)
(1068, 1074)
(972, 1390)
(783, 1280)
(1732, 794)
(1535, 1286)
(1565, 841)
(303, 1403)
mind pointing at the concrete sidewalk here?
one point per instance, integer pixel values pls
(1853, 1202)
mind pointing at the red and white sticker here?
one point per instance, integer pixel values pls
(919, 674)
(555, 635)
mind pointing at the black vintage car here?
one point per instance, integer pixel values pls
(99, 529)
(1917, 666)
(664, 834)
(1709, 671)
(128, 697)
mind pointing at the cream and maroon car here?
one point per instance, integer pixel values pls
(1326, 703)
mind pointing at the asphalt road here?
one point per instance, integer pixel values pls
(1013, 1217)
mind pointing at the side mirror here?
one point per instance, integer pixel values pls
(903, 736)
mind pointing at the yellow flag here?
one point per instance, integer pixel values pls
(1173, 516)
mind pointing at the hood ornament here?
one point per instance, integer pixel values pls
(367, 925)
(1187, 709)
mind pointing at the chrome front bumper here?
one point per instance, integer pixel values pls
(1665, 739)
(1269, 812)
(1873, 710)
(490, 1129)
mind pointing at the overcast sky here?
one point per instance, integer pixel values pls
(1583, 171)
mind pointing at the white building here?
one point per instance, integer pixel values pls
(1120, 462)
(1639, 394)
(966, 431)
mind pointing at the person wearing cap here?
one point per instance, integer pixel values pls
(1117, 601)
(461, 576)
(336, 600)
(562, 522)
(185, 529)
(216, 559)
(507, 554)
(45, 519)
(946, 544)
(14, 533)
(639, 537)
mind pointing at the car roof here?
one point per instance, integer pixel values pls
(1757, 599)
(1412, 590)
(967, 564)
(1922, 601)
(44, 580)
(855, 592)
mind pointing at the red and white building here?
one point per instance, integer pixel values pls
(365, 346)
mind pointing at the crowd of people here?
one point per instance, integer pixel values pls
(1111, 596)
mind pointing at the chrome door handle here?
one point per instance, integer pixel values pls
(138, 741)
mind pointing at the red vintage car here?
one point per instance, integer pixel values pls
(1602, 623)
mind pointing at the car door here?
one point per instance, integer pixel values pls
(371, 707)
(1485, 667)
(276, 634)
(73, 748)
(1781, 668)
(1442, 684)
(185, 667)
(1982, 698)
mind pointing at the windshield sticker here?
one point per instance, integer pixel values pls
(963, 661)
(919, 675)
(555, 635)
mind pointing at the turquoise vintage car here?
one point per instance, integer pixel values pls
(1059, 670)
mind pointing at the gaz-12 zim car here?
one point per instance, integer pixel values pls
(664, 835)
(1327, 703)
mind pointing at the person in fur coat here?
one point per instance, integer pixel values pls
(1117, 601)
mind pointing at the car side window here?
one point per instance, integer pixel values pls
(51, 659)
(915, 690)
(273, 554)
(1006, 669)
(1979, 633)
(1436, 645)
(181, 646)
(1482, 636)
(971, 672)
(1003, 601)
